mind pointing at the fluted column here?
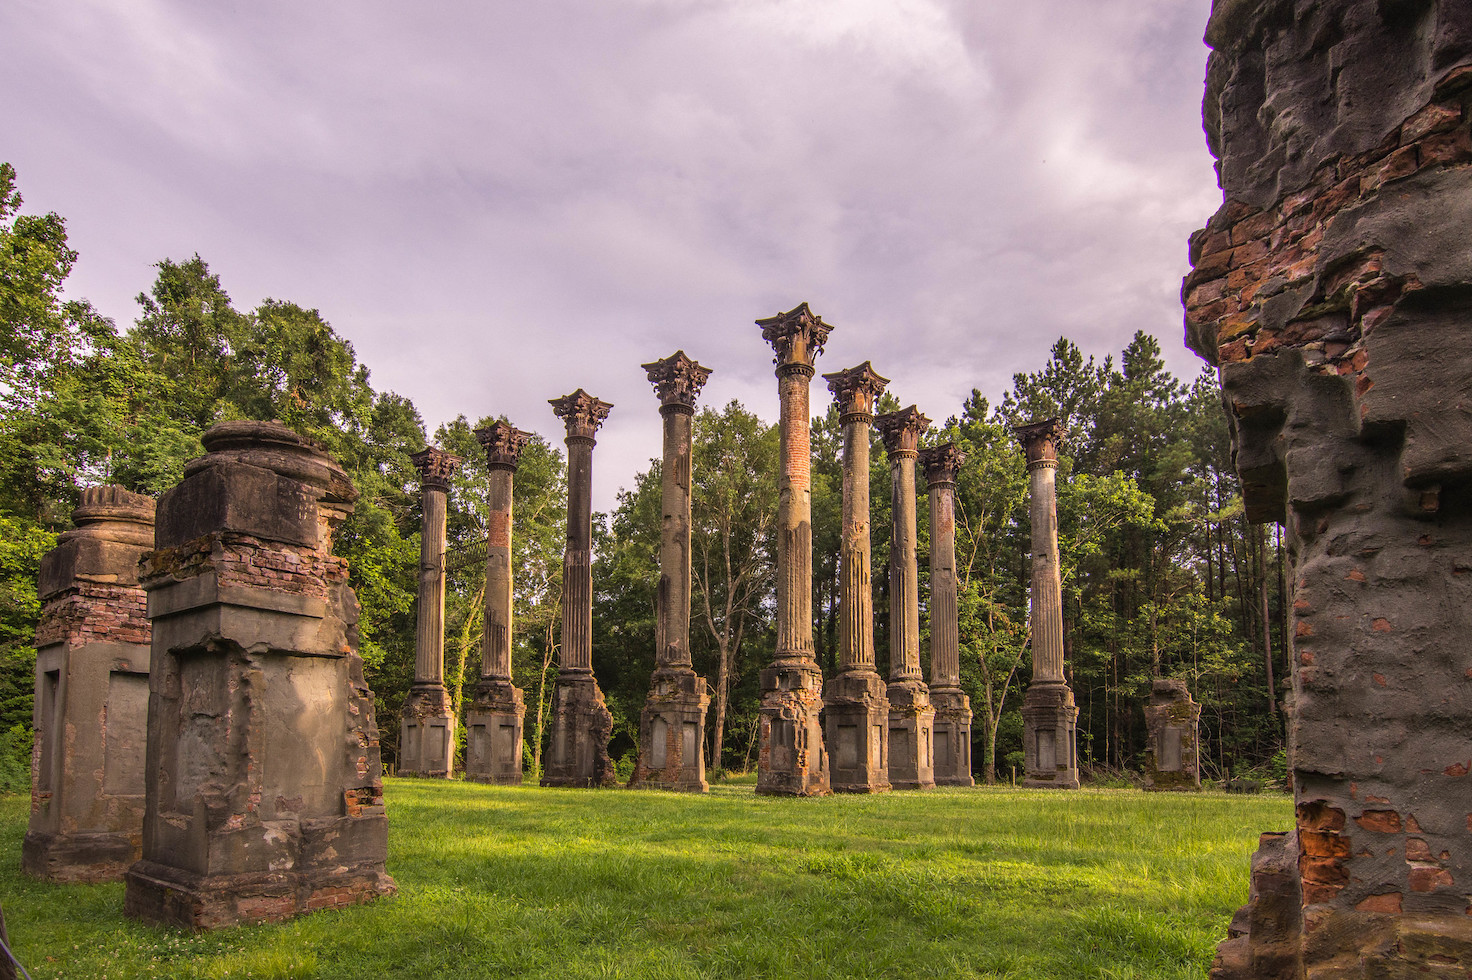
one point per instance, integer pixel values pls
(494, 721)
(672, 727)
(1048, 710)
(581, 722)
(427, 731)
(952, 706)
(911, 717)
(856, 708)
(792, 759)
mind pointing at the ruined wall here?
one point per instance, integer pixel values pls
(91, 694)
(1334, 289)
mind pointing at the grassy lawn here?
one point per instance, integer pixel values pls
(529, 882)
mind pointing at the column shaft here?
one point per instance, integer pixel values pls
(672, 628)
(904, 577)
(577, 563)
(429, 633)
(794, 519)
(945, 640)
(496, 650)
(856, 627)
(1047, 589)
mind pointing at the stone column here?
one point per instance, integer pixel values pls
(792, 760)
(855, 706)
(581, 722)
(1333, 292)
(264, 785)
(911, 716)
(672, 726)
(427, 731)
(91, 706)
(952, 706)
(1171, 721)
(497, 711)
(1049, 716)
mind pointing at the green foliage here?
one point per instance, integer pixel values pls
(15, 759)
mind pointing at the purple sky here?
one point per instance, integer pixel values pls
(500, 202)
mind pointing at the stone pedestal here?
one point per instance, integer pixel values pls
(494, 720)
(1171, 749)
(427, 729)
(792, 760)
(672, 725)
(911, 715)
(1049, 715)
(91, 707)
(1333, 291)
(855, 705)
(581, 722)
(264, 784)
(952, 706)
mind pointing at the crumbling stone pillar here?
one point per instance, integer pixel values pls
(672, 726)
(427, 731)
(493, 722)
(1171, 749)
(792, 759)
(1333, 291)
(91, 707)
(1049, 715)
(911, 716)
(581, 722)
(264, 784)
(952, 706)
(855, 705)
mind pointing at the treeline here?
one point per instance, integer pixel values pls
(1161, 572)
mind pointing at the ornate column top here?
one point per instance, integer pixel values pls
(435, 467)
(797, 336)
(677, 380)
(1040, 441)
(503, 443)
(901, 430)
(855, 390)
(581, 413)
(941, 463)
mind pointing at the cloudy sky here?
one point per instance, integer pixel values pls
(498, 202)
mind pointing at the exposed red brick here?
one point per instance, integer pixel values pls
(1458, 768)
(1429, 879)
(1447, 148)
(1380, 821)
(1388, 903)
(1319, 816)
(1418, 850)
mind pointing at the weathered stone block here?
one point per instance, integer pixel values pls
(1171, 751)
(856, 732)
(91, 694)
(493, 724)
(264, 784)
(952, 737)
(672, 733)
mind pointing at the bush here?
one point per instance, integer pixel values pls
(15, 760)
(624, 768)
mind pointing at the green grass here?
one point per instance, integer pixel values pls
(529, 882)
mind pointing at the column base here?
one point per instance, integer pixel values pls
(577, 755)
(672, 733)
(1049, 742)
(792, 760)
(952, 737)
(79, 858)
(856, 729)
(162, 895)
(1171, 757)
(911, 736)
(493, 729)
(427, 733)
